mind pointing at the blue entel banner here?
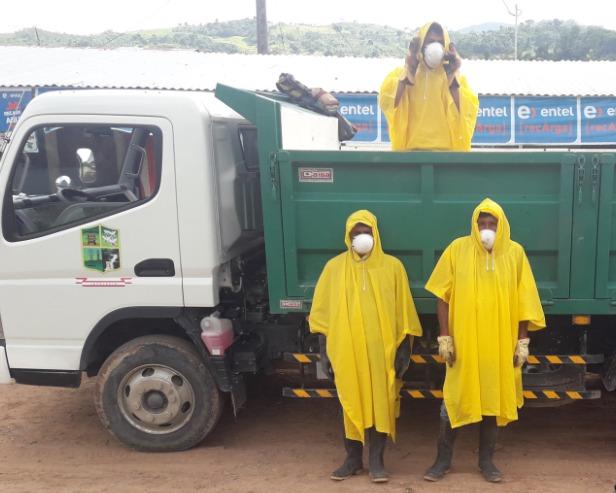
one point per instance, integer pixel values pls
(362, 110)
(598, 120)
(508, 120)
(12, 104)
(546, 121)
(493, 121)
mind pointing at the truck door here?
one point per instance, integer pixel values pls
(89, 226)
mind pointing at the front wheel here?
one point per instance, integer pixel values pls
(155, 394)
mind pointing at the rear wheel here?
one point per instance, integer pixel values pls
(155, 394)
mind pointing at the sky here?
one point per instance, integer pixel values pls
(85, 17)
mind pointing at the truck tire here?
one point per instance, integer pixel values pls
(155, 394)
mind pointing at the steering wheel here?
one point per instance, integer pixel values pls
(75, 195)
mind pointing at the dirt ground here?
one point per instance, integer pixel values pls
(51, 440)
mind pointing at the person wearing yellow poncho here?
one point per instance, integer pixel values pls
(487, 301)
(364, 312)
(427, 103)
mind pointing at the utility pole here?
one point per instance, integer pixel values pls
(516, 13)
(261, 28)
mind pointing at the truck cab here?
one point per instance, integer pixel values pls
(121, 210)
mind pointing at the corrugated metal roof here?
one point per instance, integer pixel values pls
(189, 70)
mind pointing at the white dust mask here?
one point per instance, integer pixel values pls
(487, 238)
(363, 243)
(434, 54)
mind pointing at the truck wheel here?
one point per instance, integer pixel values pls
(155, 394)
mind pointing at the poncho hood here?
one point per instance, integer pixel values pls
(503, 231)
(423, 32)
(364, 217)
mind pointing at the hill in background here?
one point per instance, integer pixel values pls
(545, 40)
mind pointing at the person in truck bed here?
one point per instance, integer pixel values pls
(427, 103)
(365, 315)
(487, 301)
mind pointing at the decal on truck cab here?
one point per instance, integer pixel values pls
(86, 282)
(100, 248)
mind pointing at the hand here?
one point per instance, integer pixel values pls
(327, 367)
(325, 362)
(411, 62)
(446, 349)
(521, 352)
(453, 62)
(403, 358)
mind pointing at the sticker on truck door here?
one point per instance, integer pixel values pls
(100, 248)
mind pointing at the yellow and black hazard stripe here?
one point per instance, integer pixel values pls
(309, 393)
(559, 395)
(565, 359)
(533, 359)
(423, 359)
(425, 394)
(303, 358)
(421, 394)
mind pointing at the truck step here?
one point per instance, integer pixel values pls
(531, 395)
(423, 359)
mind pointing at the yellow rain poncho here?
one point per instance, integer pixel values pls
(488, 295)
(365, 309)
(427, 116)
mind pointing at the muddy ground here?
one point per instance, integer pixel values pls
(51, 440)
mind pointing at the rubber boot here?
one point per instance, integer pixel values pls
(444, 454)
(488, 432)
(353, 462)
(376, 450)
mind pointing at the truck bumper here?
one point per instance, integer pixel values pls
(5, 375)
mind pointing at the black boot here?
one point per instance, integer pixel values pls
(377, 440)
(442, 464)
(487, 442)
(353, 462)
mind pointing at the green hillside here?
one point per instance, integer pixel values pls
(546, 40)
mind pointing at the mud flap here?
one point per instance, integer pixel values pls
(238, 393)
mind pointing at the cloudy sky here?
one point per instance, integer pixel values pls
(84, 17)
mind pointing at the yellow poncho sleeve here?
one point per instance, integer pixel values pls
(397, 117)
(441, 280)
(407, 321)
(320, 316)
(529, 304)
(462, 122)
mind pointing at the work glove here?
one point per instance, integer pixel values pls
(327, 365)
(403, 358)
(521, 352)
(446, 349)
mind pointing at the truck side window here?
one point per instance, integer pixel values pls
(67, 175)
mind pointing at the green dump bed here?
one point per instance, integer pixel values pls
(561, 207)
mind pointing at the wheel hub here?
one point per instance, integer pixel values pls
(156, 399)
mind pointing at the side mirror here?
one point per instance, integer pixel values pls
(87, 165)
